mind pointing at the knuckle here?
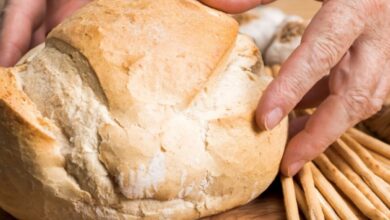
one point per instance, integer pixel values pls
(358, 8)
(361, 105)
(355, 12)
(326, 52)
(376, 105)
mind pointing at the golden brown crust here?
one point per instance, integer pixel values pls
(187, 37)
(30, 164)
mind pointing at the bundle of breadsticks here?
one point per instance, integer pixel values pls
(351, 180)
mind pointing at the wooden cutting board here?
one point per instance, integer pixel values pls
(269, 206)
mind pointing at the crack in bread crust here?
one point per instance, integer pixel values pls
(81, 63)
(60, 89)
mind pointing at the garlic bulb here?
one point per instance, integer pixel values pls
(287, 38)
(261, 24)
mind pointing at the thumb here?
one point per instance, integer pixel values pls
(60, 9)
(20, 20)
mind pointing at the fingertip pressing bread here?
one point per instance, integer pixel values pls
(136, 109)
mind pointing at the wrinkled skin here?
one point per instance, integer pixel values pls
(341, 66)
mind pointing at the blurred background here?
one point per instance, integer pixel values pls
(304, 8)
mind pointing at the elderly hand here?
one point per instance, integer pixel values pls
(26, 23)
(342, 65)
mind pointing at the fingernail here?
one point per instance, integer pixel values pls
(273, 118)
(295, 167)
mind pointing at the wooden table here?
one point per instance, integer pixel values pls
(269, 206)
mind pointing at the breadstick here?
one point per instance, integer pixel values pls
(301, 200)
(275, 70)
(370, 142)
(379, 187)
(357, 181)
(307, 182)
(334, 175)
(290, 201)
(367, 158)
(309, 111)
(381, 159)
(331, 195)
(268, 71)
(352, 206)
(329, 212)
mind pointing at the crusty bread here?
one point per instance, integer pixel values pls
(136, 109)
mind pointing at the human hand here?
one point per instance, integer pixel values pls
(341, 66)
(26, 23)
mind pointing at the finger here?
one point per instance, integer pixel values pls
(354, 90)
(296, 125)
(323, 126)
(60, 9)
(316, 95)
(21, 17)
(234, 6)
(323, 44)
(383, 87)
(38, 37)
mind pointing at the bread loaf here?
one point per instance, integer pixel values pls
(136, 109)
